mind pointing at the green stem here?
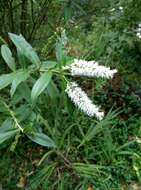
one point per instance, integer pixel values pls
(12, 114)
(55, 71)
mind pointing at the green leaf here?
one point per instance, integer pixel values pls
(20, 76)
(22, 59)
(23, 92)
(48, 64)
(7, 56)
(42, 139)
(2, 41)
(67, 13)
(6, 125)
(24, 112)
(52, 90)
(25, 48)
(60, 52)
(40, 85)
(96, 128)
(2, 108)
(6, 79)
(7, 135)
(7, 130)
(79, 7)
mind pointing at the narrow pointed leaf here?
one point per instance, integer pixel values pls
(6, 79)
(7, 125)
(20, 76)
(42, 139)
(60, 52)
(52, 90)
(7, 135)
(48, 64)
(40, 85)
(25, 48)
(7, 56)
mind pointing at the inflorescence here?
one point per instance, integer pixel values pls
(90, 69)
(76, 94)
(81, 100)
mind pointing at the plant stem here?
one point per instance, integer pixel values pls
(12, 114)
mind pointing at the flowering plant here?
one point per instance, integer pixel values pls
(29, 72)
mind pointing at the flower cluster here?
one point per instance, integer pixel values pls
(90, 69)
(81, 100)
(76, 94)
(139, 31)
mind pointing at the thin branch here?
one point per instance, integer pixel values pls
(40, 18)
(23, 19)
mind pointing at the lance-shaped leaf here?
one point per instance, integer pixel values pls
(7, 135)
(25, 48)
(48, 64)
(7, 125)
(42, 139)
(60, 52)
(6, 79)
(40, 85)
(20, 76)
(52, 90)
(7, 56)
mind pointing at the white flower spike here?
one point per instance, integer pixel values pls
(139, 31)
(81, 100)
(90, 69)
